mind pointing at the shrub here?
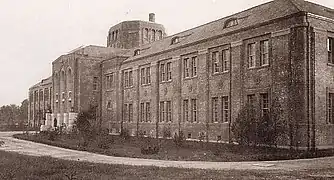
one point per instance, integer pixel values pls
(2, 143)
(179, 139)
(166, 133)
(125, 133)
(148, 150)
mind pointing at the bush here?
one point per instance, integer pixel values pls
(125, 134)
(2, 143)
(166, 133)
(148, 150)
(179, 139)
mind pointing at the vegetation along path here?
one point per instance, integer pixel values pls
(36, 149)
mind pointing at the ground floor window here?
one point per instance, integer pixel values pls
(330, 106)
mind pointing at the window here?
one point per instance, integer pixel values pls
(194, 110)
(116, 35)
(57, 97)
(145, 32)
(169, 71)
(162, 111)
(215, 62)
(41, 95)
(169, 111)
(46, 94)
(109, 81)
(113, 35)
(70, 96)
(63, 96)
(185, 68)
(153, 35)
(231, 22)
(162, 72)
(264, 104)
(142, 112)
(189, 135)
(251, 55)
(95, 81)
(215, 109)
(128, 79)
(148, 112)
(225, 109)
(330, 106)
(251, 99)
(109, 105)
(148, 75)
(226, 60)
(194, 66)
(185, 110)
(175, 40)
(330, 45)
(264, 49)
(130, 112)
(159, 35)
(145, 74)
(165, 71)
(137, 52)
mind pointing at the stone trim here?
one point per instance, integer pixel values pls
(203, 51)
(280, 33)
(236, 43)
(319, 30)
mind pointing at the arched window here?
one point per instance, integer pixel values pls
(137, 52)
(231, 22)
(69, 76)
(175, 40)
(145, 34)
(159, 35)
(153, 35)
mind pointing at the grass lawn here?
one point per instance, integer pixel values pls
(194, 151)
(16, 166)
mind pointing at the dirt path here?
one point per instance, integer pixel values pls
(36, 149)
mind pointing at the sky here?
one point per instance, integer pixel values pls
(34, 33)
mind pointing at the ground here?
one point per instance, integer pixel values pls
(320, 168)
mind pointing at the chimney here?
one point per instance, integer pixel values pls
(151, 17)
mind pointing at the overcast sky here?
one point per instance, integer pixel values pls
(35, 32)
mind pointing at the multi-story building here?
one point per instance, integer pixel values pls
(40, 101)
(197, 81)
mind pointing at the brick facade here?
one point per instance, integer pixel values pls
(196, 81)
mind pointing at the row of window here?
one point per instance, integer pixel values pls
(39, 96)
(151, 35)
(192, 115)
(63, 97)
(252, 54)
(114, 35)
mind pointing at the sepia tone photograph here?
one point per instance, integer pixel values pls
(187, 89)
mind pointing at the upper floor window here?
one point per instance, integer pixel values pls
(185, 67)
(226, 60)
(109, 80)
(145, 32)
(251, 55)
(264, 49)
(128, 78)
(215, 61)
(159, 35)
(330, 46)
(145, 73)
(190, 67)
(175, 40)
(231, 22)
(165, 72)
(95, 83)
(153, 35)
(137, 52)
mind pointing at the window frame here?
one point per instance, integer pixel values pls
(330, 50)
(264, 104)
(225, 60)
(215, 109)
(225, 109)
(251, 55)
(185, 110)
(264, 53)
(194, 117)
(215, 62)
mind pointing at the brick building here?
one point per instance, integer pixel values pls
(196, 81)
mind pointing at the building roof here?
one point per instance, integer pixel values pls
(256, 15)
(42, 82)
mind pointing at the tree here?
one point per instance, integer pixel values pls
(244, 127)
(83, 124)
